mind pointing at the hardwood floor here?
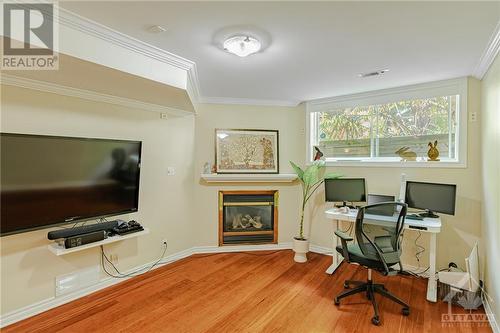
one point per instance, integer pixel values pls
(244, 292)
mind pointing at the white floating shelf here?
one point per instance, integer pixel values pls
(249, 178)
(59, 250)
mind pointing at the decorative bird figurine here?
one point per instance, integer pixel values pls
(318, 155)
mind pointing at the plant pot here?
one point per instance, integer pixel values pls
(300, 247)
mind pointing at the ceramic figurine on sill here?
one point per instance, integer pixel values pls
(433, 152)
(318, 155)
(406, 155)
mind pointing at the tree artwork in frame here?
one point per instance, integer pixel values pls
(246, 151)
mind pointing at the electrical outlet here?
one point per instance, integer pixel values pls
(164, 242)
(170, 171)
(473, 116)
(163, 115)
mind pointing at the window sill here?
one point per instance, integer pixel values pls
(396, 164)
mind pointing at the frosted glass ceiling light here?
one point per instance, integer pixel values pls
(241, 45)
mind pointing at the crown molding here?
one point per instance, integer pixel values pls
(248, 101)
(53, 88)
(94, 29)
(489, 54)
(107, 34)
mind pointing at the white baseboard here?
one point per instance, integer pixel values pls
(321, 249)
(495, 327)
(241, 248)
(416, 269)
(49, 303)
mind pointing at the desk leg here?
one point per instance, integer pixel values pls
(335, 257)
(432, 283)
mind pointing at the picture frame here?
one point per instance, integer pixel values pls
(247, 151)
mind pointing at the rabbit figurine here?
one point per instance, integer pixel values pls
(406, 155)
(433, 152)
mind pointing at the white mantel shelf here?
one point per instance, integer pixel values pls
(249, 178)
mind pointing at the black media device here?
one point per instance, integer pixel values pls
(345, 190)
(84, 239)
(378, 198)
(70, 232)
(432, 197)
(51, 180)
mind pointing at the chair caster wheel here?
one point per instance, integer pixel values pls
(406, 311)
(346, 285)
(376, 321)
(336, 301)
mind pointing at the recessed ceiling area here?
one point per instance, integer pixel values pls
(315, 49)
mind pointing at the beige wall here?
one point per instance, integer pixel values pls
(290, 125)
(28, 269)
(459, 232)
(183, 208)
(490, 134)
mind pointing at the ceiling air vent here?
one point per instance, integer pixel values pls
(375, 73)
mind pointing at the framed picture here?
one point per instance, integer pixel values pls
(246, 151)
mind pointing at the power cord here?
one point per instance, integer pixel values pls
(131, 274)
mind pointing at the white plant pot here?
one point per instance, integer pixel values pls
(300, 247)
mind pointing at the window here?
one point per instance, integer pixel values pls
(390, 127)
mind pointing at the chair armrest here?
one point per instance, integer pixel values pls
(343, 235)
(344, 238)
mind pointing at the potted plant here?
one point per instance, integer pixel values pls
(311, 179)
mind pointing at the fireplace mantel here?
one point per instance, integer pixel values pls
(249, 178)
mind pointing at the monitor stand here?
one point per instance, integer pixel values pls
(428, 213)
(344, 204)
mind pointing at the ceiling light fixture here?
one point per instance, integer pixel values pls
(241, 45)
(376, 73)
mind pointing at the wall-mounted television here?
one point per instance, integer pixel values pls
(50, 180)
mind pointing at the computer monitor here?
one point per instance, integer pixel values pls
(432, 197)
(379, 198)
(345, 190)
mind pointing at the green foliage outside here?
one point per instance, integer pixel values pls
(411, 118)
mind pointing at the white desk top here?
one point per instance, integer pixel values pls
(425, 225)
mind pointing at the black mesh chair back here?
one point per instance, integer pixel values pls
(381, 242)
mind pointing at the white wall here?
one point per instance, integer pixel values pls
(490, 135)
(28, 269)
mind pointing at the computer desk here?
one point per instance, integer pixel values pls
(430, 225)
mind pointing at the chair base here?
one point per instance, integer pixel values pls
(371, 289)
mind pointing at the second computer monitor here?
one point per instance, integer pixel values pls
(345, 190)
(432, 197)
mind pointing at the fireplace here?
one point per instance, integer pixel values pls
(248, 217)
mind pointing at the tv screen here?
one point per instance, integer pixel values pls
(48, 180)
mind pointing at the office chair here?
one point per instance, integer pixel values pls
(376, 250)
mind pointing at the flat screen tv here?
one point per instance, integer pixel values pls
(49, 180)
